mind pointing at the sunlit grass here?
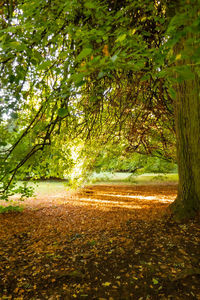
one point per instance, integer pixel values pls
(50, 187)
(131, 178)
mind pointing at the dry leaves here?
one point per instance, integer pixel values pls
(107, 242)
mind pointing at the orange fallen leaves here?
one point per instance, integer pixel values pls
(95, 244)
(105, 50)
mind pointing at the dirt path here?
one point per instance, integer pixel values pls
(106, 242)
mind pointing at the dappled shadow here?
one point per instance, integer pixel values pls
(107, 197)
(130, 197)
(103, 240)
(92, 209)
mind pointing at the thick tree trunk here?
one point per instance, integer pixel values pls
(187, 115)
(187, 108)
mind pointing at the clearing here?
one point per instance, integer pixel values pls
(104, 242)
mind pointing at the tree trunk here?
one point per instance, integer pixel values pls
(187, 116)
(187, 109)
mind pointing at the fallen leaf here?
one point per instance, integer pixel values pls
(106, 283)
(155, 281)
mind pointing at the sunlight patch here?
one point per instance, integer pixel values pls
(157, 198)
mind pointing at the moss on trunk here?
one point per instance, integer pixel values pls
(187, 109)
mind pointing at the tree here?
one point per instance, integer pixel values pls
(101, 69)
(187, 108)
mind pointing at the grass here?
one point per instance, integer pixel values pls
(9, 208)
(51, 187)
(131, 178)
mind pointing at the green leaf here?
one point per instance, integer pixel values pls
(3, 144)
(172, 93)
(155, 281)
(80, 83)
(12, 78)
(121, 38)
(178, 56)
(90, 5)
(62, 112)
(145, 77)
(44, 65)
(84, 53)
(34, 61)
(14, 115)
(14, 45)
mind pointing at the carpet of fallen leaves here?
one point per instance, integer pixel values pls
(105, 242)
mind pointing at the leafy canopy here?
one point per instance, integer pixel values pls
(90, 70)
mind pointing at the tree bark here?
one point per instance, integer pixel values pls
(187, 114)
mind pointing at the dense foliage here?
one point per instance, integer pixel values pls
(79, 74)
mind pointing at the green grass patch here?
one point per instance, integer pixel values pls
(48, 188)
(10, 208)
(123, 177)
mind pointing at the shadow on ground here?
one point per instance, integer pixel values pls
(104, 242)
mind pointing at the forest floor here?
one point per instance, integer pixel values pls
(105, 242)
